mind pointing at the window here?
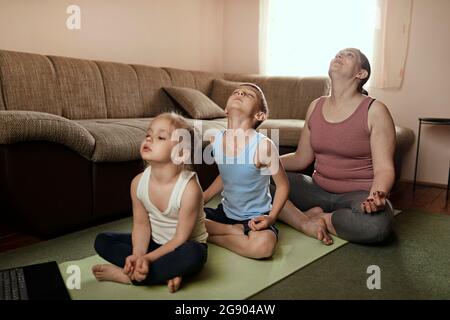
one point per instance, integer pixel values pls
(300, 37)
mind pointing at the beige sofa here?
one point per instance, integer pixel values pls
(70, 131)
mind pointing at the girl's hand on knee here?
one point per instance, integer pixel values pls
(374, 203)
(130, 265)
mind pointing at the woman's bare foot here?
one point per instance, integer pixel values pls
(317, 228)
(314, 212)
(174, 284)
(109, 272)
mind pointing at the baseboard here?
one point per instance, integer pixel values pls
(423, 183)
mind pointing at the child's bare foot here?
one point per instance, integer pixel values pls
(314, 212)
(237, 229)
(109, 272)
(174, 284)
(317, 228)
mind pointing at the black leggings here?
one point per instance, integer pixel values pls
(185, 260)
(349, 221)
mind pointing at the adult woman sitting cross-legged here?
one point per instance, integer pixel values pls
(351, 137)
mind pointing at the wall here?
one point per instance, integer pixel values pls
(425, 91)
(172, 33)
(240, 39)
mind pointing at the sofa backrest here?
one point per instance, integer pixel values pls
(28, 82)
(87, 89)
(287, 97)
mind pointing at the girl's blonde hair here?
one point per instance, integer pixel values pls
(177, 121)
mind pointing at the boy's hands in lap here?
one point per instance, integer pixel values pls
(261, 222)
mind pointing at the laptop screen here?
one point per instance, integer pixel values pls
(33, 282)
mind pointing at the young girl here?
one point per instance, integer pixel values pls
(168, 240)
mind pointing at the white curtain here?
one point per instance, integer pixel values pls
(391, 43)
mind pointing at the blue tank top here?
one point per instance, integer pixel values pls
(246, 191)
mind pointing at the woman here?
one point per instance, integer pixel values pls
(351, 136)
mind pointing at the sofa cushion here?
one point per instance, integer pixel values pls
(181, 78)
(28, 82)
(2, 103)
(81, 88)
(123, 99)
(151, 80)
(202, 81)
(23, 126)
(288, 97)
(221, 91)
(286, 131)
(116, 139)
(195, 103)
(119, 139)
(404, 138)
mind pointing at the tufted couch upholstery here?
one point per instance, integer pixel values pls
(70, 131)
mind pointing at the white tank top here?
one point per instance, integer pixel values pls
(164, 224)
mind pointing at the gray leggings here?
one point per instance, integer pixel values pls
(349, 221)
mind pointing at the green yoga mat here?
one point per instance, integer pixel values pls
(226, 275)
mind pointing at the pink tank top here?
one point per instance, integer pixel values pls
(342, 150)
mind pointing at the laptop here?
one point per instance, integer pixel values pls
(34, 282)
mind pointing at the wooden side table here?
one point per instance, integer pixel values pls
(432, 121)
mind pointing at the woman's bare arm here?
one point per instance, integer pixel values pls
(304, 155)
(382, 142)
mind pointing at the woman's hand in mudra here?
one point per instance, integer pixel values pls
(374, 203)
